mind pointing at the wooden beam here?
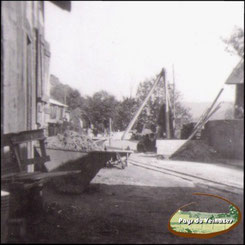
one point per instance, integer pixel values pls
(36, 175)
(36, 160)
(167, 117)
(109, 131)
(205, 115)
(202, 122)
(174, 112)
(23, 137)
(131, 124)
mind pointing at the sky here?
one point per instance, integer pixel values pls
(116, 45)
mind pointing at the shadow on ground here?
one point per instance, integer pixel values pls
(123, 214)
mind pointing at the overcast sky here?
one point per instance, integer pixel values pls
(115, 45)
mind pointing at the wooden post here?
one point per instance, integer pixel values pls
(209, 109)
(174, 99)
(167, 110)
(109, 131)
(131, 124)
(65, 96)
(202, 121)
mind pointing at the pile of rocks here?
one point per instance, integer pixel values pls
(71, 140)
(198, 151)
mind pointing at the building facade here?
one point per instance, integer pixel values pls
(25, 60)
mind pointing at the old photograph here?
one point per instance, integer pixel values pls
(122, 122)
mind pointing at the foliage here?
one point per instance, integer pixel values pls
(124, 113)
(233, 212)
(149, 115)
(100, 107)
(97, 109)
(74, 99)
(235, 43)
(66, 94)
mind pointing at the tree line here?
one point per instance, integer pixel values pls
(97, 109)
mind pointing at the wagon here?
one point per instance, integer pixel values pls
(113, 157)
(89, 163)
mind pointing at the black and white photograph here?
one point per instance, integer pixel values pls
(122, 122)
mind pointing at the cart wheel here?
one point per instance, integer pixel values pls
(124, 164)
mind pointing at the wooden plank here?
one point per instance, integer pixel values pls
(20, 139)
(206, 114)
(42, 147)
(202, 122)
(21, 175)
(167, 116)
(16, 150)
(37, 175)
(24, 136)
(6, 140)
(113, 152)
(13, 175)
(52, 174)
(36, 160)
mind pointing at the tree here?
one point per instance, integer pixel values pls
(74, 99)
(182, 113)
(235, 43)
(149, 115)
(124, 113)
(100, 107)
(65, 94)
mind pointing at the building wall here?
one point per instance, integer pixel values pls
(15, 49)
(56, 114)
(239, 103)
(226, 136)
(25, 62)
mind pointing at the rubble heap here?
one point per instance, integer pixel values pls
(71, 140)
(198, 151)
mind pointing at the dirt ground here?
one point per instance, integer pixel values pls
(125, 206)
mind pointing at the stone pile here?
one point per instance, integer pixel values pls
(71, 140)
(197, 151)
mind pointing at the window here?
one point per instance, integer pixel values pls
(53, 111)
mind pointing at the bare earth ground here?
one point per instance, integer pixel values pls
(127, 206)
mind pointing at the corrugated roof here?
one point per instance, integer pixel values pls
(237, 75)
(56, 102)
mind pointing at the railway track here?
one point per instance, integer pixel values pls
(188, 177)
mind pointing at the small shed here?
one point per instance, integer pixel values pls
(237, 78)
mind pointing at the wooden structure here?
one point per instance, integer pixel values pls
(14, 140)
(199, 125)
(25, 187)
(25, 61)
(132, 122)
(40, 173)
(237, 78)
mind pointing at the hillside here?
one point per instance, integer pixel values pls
(197, 109)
